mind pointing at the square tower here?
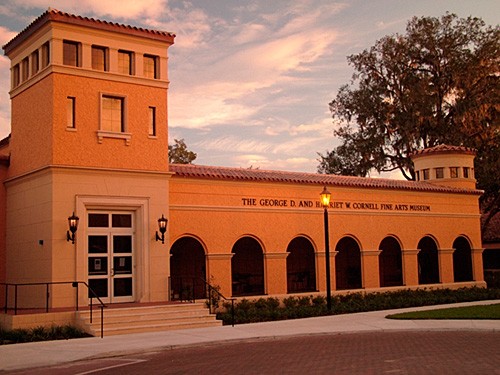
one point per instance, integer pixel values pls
(88, 93)
(89, 137)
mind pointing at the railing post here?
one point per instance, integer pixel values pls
(47, 294)
(232, 312)
(6, 297)
(194, 290)
(169, 288)
(102, 322)
(15, 299)
(75, 285)
(91, 298)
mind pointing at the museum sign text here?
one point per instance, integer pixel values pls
(265, 202)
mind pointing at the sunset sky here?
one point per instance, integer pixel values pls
(250, 80)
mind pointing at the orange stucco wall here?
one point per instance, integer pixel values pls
(31, 141)
(43, 138)
(215, 213)
(3, 174)
(81, 147)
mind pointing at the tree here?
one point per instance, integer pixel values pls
(436, 84)
(178, 153)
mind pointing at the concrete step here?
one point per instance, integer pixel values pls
(118, 320)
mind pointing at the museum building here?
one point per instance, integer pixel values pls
(89, 143)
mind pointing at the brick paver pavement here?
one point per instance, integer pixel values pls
(410, 352)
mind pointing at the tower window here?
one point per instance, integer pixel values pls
(466, 172)
(45, 55)
(439, 172)
(453, 172)
(99, 58)
(150, 66)
(70, 112)
(112, 115)
(125, 62)
(418, 175)
(425, 173)
(15, 76)
(25, 69)
(152, 121)
(34, 63)
(71, 53)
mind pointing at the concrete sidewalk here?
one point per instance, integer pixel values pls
(38, 354)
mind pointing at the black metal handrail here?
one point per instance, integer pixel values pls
(74, 284)
(209, 290)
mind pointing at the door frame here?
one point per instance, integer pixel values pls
(140, 207)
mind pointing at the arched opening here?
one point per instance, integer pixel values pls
(187, 269)
(428, 262)
(247, 268)
(462, 260)
(348, 264)
(300, 266)
(390, 263)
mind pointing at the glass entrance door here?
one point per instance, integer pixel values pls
(110, 239)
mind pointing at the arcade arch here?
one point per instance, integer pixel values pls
(390, 263)
(187, 269)
(462, 260)
(348, 264)
(300, 266)
(247, 268)
(428, 262)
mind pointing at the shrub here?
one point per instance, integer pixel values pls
(40, 334)
(247, 311)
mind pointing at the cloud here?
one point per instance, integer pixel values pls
(247, 66)
(5, 36)
(124, 9)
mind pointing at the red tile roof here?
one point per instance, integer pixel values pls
(56, 15)
(444, 149)
(259, 175)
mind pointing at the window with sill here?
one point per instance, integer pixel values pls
(453, 172)
(466, 172)
(439, 172)
(125, 62)
(15, 76)
(152, 121)
(99, 58)
(150, 66)
(25, 69)
(71, 52)
(113, 118)
(426, 174)
(45, 55)
(70, 112)
(34, 63)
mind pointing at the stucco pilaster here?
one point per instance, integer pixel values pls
(321, 270)
(446, 265)
(275, 273)
(370, 268)
(219, 272)
(410, 266)
(477, 264)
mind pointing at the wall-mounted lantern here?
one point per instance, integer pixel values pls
(162, 226)
(73, 226)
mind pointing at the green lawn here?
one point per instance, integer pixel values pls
(469, 312)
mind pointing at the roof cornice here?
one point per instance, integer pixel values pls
(54, 15)
(260, 175)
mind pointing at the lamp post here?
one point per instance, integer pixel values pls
(325, 201)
